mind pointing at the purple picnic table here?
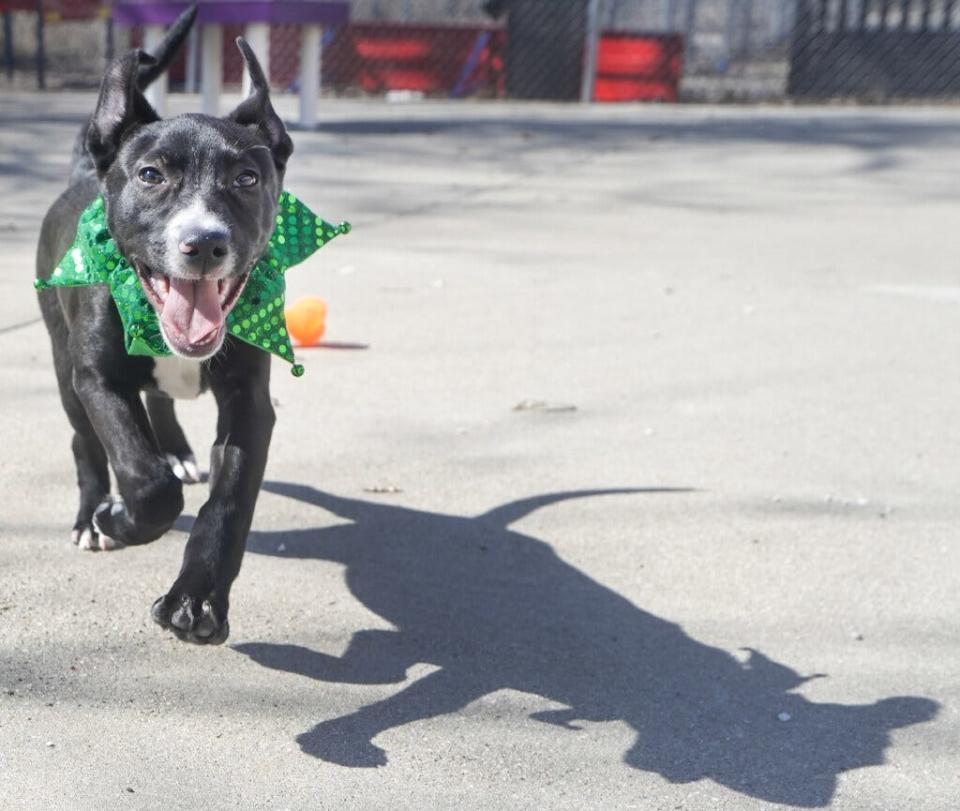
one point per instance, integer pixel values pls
(257, 16)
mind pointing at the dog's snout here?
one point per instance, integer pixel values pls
(205, 249)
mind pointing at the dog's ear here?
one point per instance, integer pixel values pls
(257, 112)
(120, 108)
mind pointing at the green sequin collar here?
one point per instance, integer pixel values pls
(258, 316)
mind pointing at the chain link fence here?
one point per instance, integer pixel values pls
(62, 43)
(563, 50)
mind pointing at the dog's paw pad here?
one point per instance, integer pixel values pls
(184, 468)
(192, 619)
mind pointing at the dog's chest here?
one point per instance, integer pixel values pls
(178, 377)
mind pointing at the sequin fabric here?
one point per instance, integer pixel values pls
(258, 316)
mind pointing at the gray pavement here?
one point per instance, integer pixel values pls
(729, 579)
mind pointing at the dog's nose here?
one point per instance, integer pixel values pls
(205, 249)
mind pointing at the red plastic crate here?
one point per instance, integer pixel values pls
(638, 67)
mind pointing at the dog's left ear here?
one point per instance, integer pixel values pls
(257, 112)
(120, 107)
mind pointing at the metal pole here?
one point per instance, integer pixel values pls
(8, 61)
(41, 50)
(193, 53)
(666, 13)
(778, 22)
(746, 23)
(211, 68)
(739, 19)
(310, 44)
(690, 30)
(110, 42)
(590, 48)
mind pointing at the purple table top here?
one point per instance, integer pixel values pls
(153, 12)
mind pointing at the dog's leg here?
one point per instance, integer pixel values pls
(107, 382)
(196, 606)
(93, 475)
(93, 478)
(151, 495)
(348, 740)
(170, 437)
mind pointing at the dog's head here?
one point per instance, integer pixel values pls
(191, 201)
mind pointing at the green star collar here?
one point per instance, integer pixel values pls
(257, 318)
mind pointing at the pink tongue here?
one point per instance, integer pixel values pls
(192, 310)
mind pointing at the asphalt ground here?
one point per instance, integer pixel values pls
(626, 478)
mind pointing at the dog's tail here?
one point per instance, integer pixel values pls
(169, 46)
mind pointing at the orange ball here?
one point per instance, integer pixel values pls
(306, 320)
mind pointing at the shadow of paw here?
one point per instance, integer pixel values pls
(335, 743)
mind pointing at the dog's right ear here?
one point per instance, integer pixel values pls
(256, 111)
(120, 108)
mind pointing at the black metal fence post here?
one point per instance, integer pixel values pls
(110, 43)
(8, 59)
(689, 31)
(41, 49)
(799, 48)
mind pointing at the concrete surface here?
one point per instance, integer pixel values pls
(754, 312)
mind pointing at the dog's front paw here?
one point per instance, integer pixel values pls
(192, 617)
(154, 509)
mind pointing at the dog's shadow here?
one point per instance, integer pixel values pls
(494, 609)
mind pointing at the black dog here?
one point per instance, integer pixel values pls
(191, 203)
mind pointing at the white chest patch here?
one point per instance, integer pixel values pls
(177, 377)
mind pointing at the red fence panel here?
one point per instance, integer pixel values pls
(433, 59)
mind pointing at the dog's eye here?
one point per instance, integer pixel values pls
(246, 179)
(150, 175)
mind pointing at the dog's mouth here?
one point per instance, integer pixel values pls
(192, 312)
